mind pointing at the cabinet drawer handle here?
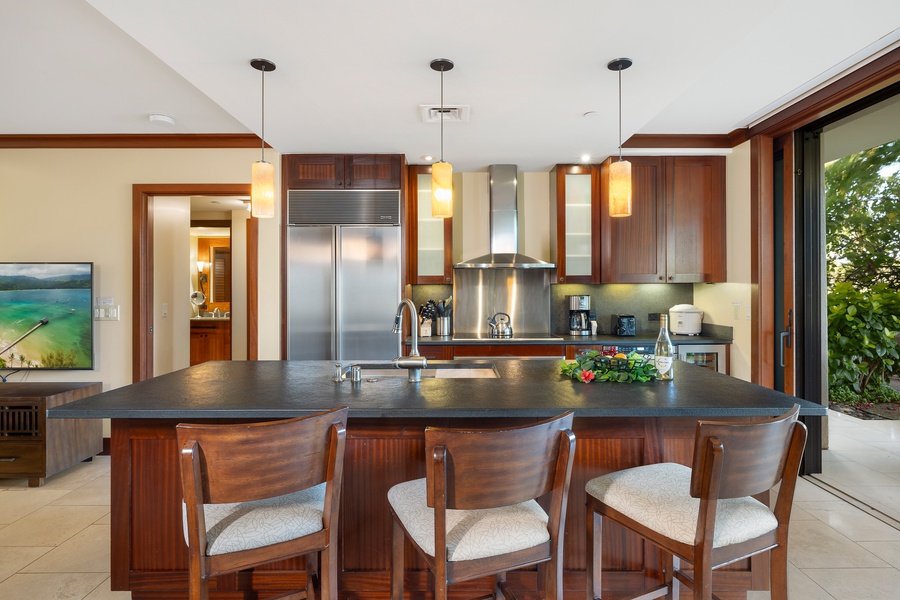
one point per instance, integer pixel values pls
(7, 458)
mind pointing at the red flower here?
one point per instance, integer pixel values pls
(586, 376)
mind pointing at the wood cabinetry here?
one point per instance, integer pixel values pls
(676, 233)
(343, 171)
(575, 223)
(34, 447)
(434, 351)
(210, 340)
(428, 240)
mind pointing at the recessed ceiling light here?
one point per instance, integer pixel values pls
(161, 119)
(427, 157)
(585, 158)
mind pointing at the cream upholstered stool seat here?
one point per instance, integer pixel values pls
(658, 497)
(239, 526)
(471, 534)
(475, 513)
(256, 493)
(706, 514)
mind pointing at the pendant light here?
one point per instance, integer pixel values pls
(620, 171)
(442, 172)
(262, 178)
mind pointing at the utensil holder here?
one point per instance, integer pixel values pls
(443, 326)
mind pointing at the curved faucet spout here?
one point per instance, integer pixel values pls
(398, 324)
(408, 362)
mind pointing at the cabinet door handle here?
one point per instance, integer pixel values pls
(7, 458)
(671, 277)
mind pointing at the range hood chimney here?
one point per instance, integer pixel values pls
(504, 226)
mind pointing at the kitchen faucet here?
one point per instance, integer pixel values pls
(412, 363)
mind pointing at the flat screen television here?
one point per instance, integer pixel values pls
(45, 315)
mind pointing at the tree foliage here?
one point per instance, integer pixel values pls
(862, 218)
(56, 359)
(862, 241)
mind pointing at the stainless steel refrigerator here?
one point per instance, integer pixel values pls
(343, 274)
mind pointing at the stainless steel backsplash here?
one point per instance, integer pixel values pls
(523, 294)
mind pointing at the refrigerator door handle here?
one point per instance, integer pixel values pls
(337, 308)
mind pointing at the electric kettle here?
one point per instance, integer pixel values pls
(500, 326)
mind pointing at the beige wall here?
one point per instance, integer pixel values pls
(76, 205)
(728, 303)
(171, 285)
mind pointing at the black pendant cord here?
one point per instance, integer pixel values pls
(442, 64)
(262, 135)
(262, 65)
(620, 64)
(620, 114)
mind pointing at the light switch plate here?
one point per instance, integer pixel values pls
(106, 313)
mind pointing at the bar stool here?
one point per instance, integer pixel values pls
(705, 514)
(255, 493)
(475, 512)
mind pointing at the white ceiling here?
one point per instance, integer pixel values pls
(351, 74)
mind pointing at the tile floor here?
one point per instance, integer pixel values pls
(844, 541)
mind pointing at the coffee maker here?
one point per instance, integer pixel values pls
(579, 315)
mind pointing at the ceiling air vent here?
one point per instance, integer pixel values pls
(431, 113)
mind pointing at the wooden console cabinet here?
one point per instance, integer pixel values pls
(35, 447)
(210, 340)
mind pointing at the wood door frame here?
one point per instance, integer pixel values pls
(142, 267)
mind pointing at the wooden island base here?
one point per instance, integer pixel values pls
(149, 555)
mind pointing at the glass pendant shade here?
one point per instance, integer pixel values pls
(441, 190)
(262, 190)
(620, 189)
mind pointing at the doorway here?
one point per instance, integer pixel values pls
(218, 322)
(143, 268)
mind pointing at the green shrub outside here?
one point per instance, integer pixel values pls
(863, 352)
(874, 395)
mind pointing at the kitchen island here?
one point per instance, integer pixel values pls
(616, 426)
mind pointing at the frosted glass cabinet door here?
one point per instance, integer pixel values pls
(429, 237)
(431, 232)
(579, 240)
(575, 223)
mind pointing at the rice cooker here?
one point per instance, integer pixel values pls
(685, 319)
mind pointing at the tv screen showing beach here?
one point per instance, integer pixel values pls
(45, 316)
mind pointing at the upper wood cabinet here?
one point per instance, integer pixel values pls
(676, 233)
(695, 219)
(575, 223)
(634, 248)
(343, 171)
(429, 239)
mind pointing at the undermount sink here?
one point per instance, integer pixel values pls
(433, 370)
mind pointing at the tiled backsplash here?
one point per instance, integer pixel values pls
(614, 299)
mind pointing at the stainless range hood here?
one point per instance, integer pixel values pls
(504, 226)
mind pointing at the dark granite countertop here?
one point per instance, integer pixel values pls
(525, 388)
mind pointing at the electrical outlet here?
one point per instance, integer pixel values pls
(736, 305)
(653, 316)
